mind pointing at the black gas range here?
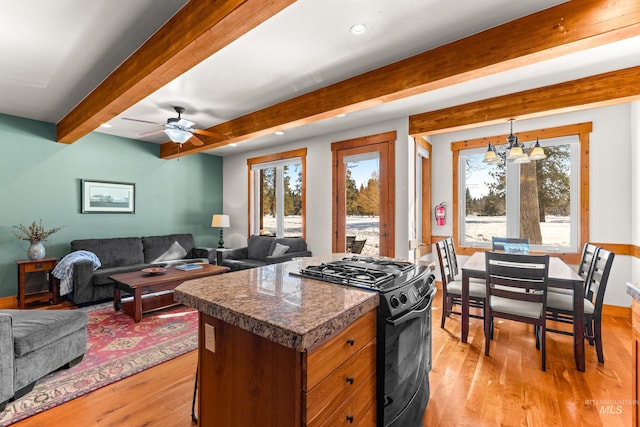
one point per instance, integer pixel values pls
(400, 283)
(403, 332)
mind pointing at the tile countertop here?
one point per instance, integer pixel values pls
(634, 291)
(293, 311)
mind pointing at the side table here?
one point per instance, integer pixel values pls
(28, 266)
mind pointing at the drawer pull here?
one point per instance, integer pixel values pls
(38, 266)
(351, 341)
(350, 418)
(350, 380)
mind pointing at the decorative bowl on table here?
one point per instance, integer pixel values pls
(153, 271)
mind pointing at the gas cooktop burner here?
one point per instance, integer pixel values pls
(347, 274)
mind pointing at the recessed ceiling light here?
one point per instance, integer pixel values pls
(233, 144)
(358, 29)
(279, 132)
(105, 125)
(341, 115)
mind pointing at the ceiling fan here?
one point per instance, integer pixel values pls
(180, 130)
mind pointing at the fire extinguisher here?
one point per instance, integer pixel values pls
(440, 213)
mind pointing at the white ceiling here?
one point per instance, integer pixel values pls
(52, 59)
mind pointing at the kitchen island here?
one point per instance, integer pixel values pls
(277, 349)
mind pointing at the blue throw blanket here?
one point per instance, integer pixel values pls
(64, 269)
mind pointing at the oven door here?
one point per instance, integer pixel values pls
(407, 362)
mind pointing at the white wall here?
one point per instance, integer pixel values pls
(635, 187)
(319, 173)
(614, 186)
(610, 178)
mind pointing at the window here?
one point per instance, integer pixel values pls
(276, 194)
(539, 200)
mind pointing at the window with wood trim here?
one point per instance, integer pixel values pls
(277, 194)
(543, 200)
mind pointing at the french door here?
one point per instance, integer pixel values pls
(364, 193)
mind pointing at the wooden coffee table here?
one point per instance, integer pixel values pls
(152, 292)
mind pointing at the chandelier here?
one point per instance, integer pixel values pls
(513, 151)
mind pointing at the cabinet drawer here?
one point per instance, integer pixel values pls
(324, 359)
(39, 266)
(355, 411)
(341, 383)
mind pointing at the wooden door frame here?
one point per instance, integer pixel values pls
(425, 240)
(383, 143)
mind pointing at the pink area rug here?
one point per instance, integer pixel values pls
(116, 348)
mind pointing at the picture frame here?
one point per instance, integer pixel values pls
(107, 197)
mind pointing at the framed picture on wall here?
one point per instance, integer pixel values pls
(107, 196)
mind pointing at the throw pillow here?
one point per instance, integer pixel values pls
(280, 250)
(175, 251)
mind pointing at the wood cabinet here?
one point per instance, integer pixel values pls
(635, 321)
(248, 380)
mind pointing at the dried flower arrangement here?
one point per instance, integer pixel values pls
(35, 232)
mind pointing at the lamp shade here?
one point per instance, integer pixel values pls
(221, 221)
(177, 135)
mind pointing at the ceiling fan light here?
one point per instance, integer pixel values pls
(177, 135)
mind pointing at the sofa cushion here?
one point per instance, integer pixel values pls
(259, 247)
(167, 248)
(279, 249)
(34, 329)
(101, 275)
(296, 244)
(113, 252)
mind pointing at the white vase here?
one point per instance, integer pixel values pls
(36, 250)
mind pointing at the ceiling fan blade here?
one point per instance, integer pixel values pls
(143, 121)
(195, 140)
(207, 133)
(153, 132)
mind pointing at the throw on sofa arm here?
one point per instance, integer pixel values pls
(238, 253)
(6, 359)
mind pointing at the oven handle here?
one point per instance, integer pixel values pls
(413, 314)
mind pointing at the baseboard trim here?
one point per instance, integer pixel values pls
(8, 302)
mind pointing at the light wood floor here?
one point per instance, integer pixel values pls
(467, 389)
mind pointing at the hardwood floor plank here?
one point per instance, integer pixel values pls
(507, 388)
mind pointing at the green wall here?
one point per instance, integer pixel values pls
(40, 179)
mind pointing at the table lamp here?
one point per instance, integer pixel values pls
(220, 221)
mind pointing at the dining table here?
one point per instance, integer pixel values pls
(561, 275)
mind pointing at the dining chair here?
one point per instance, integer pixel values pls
(508, 277)
(560, 306)
(452, 287)
(451, 250)
(589, 251)
(497, 243)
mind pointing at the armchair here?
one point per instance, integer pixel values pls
(263, 250)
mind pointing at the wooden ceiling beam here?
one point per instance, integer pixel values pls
(197, 31)
(595, 91)
(557, 31)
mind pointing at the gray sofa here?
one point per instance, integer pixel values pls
(263, 250)
(126, 254)
(34, 343)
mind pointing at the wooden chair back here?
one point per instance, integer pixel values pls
(446, 271)
(511, 275)
(453, 258)
(596, 283)
(586, 261)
